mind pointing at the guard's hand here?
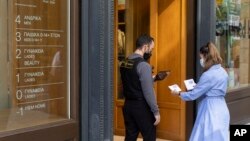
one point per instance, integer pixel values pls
(160, 76)
(157, 119)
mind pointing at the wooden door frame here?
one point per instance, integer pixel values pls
(117, 102)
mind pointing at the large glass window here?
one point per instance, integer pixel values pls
(233, 39)
(34, 68)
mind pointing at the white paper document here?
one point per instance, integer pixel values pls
(175, 87)
(190, 84)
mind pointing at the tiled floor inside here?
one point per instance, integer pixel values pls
(121, 138)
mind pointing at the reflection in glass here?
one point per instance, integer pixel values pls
(33, 63)
(233, 39)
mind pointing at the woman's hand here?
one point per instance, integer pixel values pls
(174, 92)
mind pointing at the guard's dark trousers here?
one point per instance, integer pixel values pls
(138, 118)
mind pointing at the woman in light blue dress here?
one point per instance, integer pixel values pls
(212, 121)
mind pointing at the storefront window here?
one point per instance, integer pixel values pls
(233, 39)
(34, 68)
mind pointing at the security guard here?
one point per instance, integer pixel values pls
(140, 111)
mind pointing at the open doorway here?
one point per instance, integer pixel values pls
(165, 21)
(131, 20)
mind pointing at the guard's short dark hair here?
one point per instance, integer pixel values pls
(143, 40)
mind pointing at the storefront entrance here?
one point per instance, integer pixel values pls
(166, 21)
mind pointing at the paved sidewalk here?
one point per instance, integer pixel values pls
(121, 138)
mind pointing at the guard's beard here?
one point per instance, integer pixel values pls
(147, 56)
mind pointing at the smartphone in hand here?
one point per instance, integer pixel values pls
(162, 75)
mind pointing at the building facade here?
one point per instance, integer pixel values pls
(60, 63)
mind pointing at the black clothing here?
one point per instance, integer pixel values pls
(144, 73)
(137, 114)
(131, 84)
(138, 118)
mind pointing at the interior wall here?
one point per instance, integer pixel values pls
(137, 22)
(121, 1)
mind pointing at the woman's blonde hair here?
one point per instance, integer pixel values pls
(211, 55)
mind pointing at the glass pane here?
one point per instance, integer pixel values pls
(34, 62)
(233, 39)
